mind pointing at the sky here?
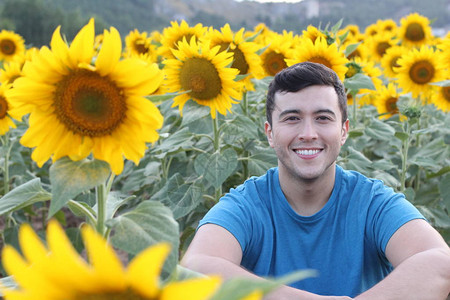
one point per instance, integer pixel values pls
(264, 1)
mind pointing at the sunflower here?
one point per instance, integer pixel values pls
(441, 98)
(415, 30)
(245, 58)
(59, 273)
(371, 30)
(361, 51)
(386, 101)
(10, 72)
(279, 47)
(379, 44)
(140, 45)
(389, 61)
(444, 46)
(418, 68)
(202, 72)
(5, 119)
(77, 107)
(312, 33)
(387, 25)
(368, 68)
(352, 29)
(11, 45)
(175, 33)
(320, 52)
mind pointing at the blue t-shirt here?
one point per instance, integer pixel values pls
(345, 241)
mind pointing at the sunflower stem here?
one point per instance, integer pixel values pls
(8, 146)
(245, 103)
(218, 191)
(405, 148)
(101, 208)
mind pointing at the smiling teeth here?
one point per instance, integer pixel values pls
(307, 152)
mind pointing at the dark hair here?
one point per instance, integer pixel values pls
(303, 75)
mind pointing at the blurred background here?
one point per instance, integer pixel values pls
(36, 20)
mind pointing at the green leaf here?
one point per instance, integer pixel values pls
(359, 81)
(444, 190)
(437, 217)
(24, 195)
(403, 136)
(69, 178)
(164, 97)
(192, 111)
(181, 139)
(216, 168)
(179, 196)
(149, 223)
(444, 83)
(379, 130)
(238, 288)
(260, 162)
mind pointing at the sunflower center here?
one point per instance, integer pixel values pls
(421, 72)
(415, 32)
(391, 105)
(394, 64)
(3, 107)
(125, 295)
(239, 61)
(7, 47)
(140, 47)
(89, 104)
(382, 47)
(446, 93)
(320, 60)
(201, 77)
(274, 63)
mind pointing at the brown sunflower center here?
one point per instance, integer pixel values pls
(274, 63)
(393, 63)
(239, 61)
(415, 32)
(321, 60)
(382, 47)
(89, 104)
(3, 107)
(391, 105)
(125, 295)
(446, 93)
(201, 77)
(8, 47)
(141, 47)
(421, 72)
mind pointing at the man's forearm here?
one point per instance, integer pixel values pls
(423, 276)
(227, 270)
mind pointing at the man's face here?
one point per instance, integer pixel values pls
(307, 132)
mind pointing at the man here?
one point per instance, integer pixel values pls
(365, 240)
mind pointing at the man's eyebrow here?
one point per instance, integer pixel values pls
(298, 111)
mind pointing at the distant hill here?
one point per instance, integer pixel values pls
(148, 15)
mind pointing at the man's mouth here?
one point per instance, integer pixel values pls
(307, 152)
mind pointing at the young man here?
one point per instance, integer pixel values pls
(365, 240)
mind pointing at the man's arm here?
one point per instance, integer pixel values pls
(421, 261)
(214, 250)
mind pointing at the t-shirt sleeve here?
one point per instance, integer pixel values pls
(232, 212)
(388, 212)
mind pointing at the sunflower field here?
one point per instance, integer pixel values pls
(114, 147)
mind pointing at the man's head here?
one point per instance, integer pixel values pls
(300, 76)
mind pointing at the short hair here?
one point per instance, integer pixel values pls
(302, 75)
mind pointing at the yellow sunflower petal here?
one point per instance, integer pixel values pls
(31, 245)
(82, 48)
(110, 52)
(144, 270)
(104, 260)
(192, 289)
(59, 47)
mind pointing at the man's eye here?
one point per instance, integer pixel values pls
(323, 118)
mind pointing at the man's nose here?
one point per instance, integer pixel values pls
(307, 130)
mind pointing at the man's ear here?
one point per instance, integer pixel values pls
(344, 136)
(268, 131)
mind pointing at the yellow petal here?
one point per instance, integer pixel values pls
(191, 289)
(31, 245)
(110, 52)
(144, 270)
(59, 47)
(82, 48)
(104, 261)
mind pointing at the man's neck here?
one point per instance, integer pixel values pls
(307, 197)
